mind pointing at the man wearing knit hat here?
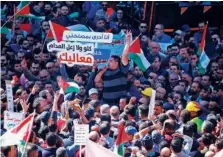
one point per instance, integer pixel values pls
(194, 108)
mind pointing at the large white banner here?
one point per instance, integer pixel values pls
(70, 47)
(95, 37)
(73, 58)
(11, 119)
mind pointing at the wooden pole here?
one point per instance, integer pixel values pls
(144, 11)
(151, 16)
(80, 151)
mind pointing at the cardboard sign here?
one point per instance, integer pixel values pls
(9, 96)
(102, 55)
(94, 37)
(11, 119)
(81, 132)
(152, 103)
(70, 47)
(73, 58)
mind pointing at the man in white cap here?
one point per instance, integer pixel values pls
(93, 94)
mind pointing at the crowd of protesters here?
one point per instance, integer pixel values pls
(187, 117)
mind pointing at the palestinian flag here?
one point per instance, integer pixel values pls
(205, 46)
(19, 135)
(21, 5)
(137, 55)
(57, 31)
(5, 30)
(121, 139)
(25, 12)
(93, 150)
(68, 87)
(73, 15)
(26, 27)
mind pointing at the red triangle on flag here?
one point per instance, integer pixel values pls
(135, 46)
(206, 8)
(63, 84)
(183, 9)
(57, 31)
(122, 136)
(109, 30)
(109, 11)
(202, 44)
(49, 35)
(24, 11)
(26, 27)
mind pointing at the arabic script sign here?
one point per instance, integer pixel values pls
(73, 58)
(94, 37)
(70, 47)
(11, 119)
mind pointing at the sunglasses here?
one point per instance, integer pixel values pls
(43, 77)
(143, 27)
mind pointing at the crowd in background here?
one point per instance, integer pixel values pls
(187, 117)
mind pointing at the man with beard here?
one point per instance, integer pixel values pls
(204, 94)
(24, 44)
(139, 74)
(156, 67)
(47, 8)
(18, 67)
(34, 70)
(82, 94)
(160, 93)
(194, 91)
(43, 30)
(173, 80)
(64, 20)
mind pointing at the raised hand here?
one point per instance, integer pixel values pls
(35, 89)
(128, 37)
(24, 105)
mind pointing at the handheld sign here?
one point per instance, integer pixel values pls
(11, 119)
(9, 95)
(70, 47)
(72, 58)
(81, 132)
(94, 37)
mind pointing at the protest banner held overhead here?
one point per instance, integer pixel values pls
(73, 58)
(70, 47)
(11, 119)
(94, 37)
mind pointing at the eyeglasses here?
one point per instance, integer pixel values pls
(49, 67)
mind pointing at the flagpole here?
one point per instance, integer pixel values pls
(12, 17)
(13, 31)
(151, 16)
(80, 151)
(144, 11)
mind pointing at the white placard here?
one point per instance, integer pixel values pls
(94, 37)
(81, 132)
(152, 103)
(73, 58)
(9, 96)
(11, 119)
(70, 47)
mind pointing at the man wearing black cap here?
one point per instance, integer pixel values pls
(147, 143)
